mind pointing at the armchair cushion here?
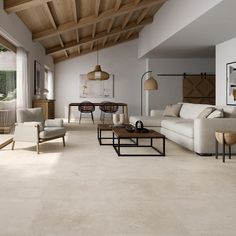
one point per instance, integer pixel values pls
(51, 132)
(54, 123)
(31, 114)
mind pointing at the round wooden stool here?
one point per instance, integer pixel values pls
(225, 138)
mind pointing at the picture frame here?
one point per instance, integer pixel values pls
(96, 88)
(37, 82)
(231, 83)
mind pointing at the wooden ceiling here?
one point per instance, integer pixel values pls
(70, 28)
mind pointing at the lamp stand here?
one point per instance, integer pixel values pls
(142, 89)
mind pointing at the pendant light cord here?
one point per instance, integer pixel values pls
(97, 53)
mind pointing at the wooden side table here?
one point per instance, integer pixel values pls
(225, 138)
(47, 106)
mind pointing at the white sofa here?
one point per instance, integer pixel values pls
(196, 134)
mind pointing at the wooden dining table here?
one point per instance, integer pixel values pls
(124, 107)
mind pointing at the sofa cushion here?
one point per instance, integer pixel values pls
(206, 112)
(172, 110)
(180, 126)
(229, 111)
(150, 121)
(191, 111)
(218, 113)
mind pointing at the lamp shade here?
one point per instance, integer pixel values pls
(98, 74)
(150, 84)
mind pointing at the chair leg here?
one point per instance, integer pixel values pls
(80, 117)
(229, 151)
(63, 140)
(37, 147)
(92, 117)
(13, 145)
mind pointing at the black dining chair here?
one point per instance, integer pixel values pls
(107, 108)
(86, 107)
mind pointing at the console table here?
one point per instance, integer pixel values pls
(97, 104)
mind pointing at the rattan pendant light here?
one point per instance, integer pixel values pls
(98, 73)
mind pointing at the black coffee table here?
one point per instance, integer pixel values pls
(122, 134)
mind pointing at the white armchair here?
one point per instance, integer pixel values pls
(31, 127)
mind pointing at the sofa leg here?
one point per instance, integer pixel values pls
(37, 148)
(204, 154)
(13, 145)
(63, 140)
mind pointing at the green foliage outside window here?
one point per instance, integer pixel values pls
(7, 85)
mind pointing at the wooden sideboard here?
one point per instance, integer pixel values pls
(47, 105)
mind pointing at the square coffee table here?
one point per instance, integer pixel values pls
(122, 134)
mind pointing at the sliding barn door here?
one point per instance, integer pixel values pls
(199, 89)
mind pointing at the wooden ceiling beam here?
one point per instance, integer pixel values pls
(143, 14)
(94, 30)
(50, 16)
(110, 24)
(77, 36)
(66, 54)
(126, 20)
(117, 38)
(75, 13)
(20, 5)
(100, 46)
(93, 19)
(104, 41)
(91, 46)
(97, 6)
(118, 4)
(129, 34)
(102, 35)
(137, 1)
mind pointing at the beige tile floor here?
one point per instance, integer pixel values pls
(85, 189)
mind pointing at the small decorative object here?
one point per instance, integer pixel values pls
(44, 93)
(130, 128)
(139, 127)
(118, 119)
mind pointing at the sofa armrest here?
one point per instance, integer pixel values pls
(53, 123)
(156, 113)
(204, 133)
(26, 132)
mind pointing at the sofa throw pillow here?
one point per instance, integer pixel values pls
(206, 112)
(216, 114)
(172, 110)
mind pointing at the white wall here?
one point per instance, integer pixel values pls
(225, 53)
(170, 88)
(12, 28)
(120, 60)
(173, 16)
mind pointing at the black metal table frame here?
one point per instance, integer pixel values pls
(223, 153)
(100, 138)
(135, 143)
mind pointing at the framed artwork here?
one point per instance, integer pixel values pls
(37, 82)
(96, 88)
(231, 83)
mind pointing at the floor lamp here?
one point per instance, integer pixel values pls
(149, 84)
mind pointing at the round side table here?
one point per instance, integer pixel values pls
(225, 138)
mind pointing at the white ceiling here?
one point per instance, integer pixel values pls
(199, 38)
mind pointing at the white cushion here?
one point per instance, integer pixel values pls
(50, 132)
(180, 126)
(191, 111)
(216, 114)
(150, 121)
(172, 110)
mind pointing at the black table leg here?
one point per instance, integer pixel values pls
(229, 151)
(223, 150)
(216, 148)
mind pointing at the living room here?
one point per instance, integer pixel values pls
(85, 188)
